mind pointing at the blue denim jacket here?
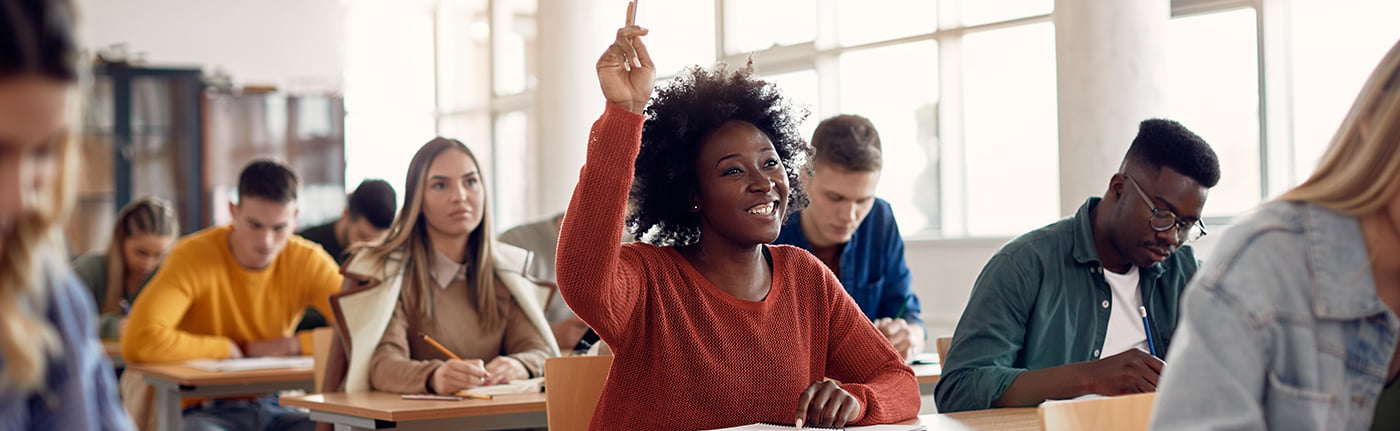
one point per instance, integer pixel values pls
(1281, 329)
(80, 391)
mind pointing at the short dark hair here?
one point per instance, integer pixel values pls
(681, 115)
(848, 141)
(268, 179)
(375, 201)
(1166, 143)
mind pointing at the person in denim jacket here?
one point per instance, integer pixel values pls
(1292, 324)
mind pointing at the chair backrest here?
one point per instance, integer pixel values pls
(1122, 413)
(320, 350)
(572, 385)
(942, 344)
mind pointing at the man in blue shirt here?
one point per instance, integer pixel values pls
(854, 233)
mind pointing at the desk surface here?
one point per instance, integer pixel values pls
(113, 348)
(1017, 419)
(927, 373)
(392, 407)
(187, 376)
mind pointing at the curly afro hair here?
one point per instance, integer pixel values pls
(681, 115)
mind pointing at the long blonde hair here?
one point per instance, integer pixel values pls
(409, 234)
(147, 215)
(1360, 171)
(34, 249)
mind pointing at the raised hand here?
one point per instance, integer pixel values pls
(625, 71)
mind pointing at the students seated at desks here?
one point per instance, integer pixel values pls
(438, 274)
(1058, 312)
(369, 211)
(145, 230)
(710, 326)
(233, 291)
(1293, 323)
(53, 372)
(854, 233)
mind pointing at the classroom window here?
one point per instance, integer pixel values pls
(513, 46)
(688, 38)
(758, 25)
(854, 18)
(902, 102)
(1010, 129)
(508, 182)
(1213, 89)
(975, 12)
(1335, 46)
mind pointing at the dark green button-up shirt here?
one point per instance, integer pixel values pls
(1042, 302)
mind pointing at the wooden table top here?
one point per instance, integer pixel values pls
(392, 407)
(113, 348)
(189, 376)
(927, 373)
(1016, 419)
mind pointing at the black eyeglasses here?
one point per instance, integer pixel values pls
(1163, 220)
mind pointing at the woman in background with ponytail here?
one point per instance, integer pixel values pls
(146, 228)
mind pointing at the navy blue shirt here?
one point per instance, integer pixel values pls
(872, 264)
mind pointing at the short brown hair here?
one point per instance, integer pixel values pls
(848, 141)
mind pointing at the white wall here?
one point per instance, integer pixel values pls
(297, 43)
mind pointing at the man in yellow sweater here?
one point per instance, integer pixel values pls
(235, 291)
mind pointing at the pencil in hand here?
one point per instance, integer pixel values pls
(440, 348)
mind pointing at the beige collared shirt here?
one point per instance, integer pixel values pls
(403, 362)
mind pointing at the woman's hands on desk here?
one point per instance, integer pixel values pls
(285, 346)
(625, 70)
(456, 374)
(825, 404)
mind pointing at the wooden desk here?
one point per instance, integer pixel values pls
(928, 377)
(1017, 419)
(173, 382)
(381, 410)
(113, 348)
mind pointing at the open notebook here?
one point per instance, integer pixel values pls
(514, 387)
(243, 364)
(776, 427)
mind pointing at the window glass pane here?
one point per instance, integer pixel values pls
(862, 21)
(516, 52)
(1219, 102)
(902, 102)
(508, 176)
(1010, 127)
(1335, 45)
(800, 88)
(685, 33)
(464, 62)
(756, 25)
(976, 12)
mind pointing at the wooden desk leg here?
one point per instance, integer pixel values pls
(169, 416)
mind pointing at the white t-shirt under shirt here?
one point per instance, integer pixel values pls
(1125, 330)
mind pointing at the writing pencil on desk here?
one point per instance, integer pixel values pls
(475, 396)
(432, 397)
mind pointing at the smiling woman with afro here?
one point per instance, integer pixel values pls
(713, 170)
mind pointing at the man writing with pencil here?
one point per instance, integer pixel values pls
(1088, 304)
(854, 233)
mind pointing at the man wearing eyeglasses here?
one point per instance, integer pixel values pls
(1087, 305)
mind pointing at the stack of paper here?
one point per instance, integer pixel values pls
(243, 364)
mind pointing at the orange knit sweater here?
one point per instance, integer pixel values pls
(691, 356)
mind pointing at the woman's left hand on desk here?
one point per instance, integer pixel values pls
(503, 369)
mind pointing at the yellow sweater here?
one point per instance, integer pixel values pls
(201, 299)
